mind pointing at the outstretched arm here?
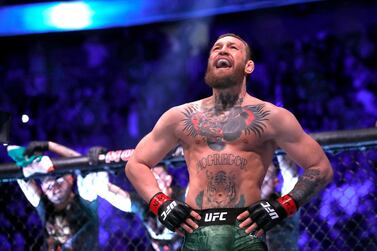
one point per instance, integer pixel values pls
(38, 147)
(62, 150)
(98, 184)
(117, 197)
(31, 191)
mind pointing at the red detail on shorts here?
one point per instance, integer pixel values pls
(288, 204)
(157, 200)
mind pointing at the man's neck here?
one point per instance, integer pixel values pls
(224, 99)
(65, 203)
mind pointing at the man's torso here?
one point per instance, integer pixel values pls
(227, 152)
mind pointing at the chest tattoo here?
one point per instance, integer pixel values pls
(218, 128)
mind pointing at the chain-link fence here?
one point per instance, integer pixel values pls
(342, 217)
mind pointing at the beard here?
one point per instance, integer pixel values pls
(224, 81)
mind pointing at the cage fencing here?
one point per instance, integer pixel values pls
(342, 217)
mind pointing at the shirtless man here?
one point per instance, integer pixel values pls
(228, 140)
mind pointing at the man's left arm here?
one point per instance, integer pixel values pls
(305, 152)
(315, 177)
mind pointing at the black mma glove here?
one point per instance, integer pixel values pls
(267, 213)
(36, 148)
(94, 153)
(171, 213)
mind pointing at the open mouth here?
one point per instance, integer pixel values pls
(223, 63)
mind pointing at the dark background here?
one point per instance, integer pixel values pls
(109, 87)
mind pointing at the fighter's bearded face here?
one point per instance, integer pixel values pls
(226, 63)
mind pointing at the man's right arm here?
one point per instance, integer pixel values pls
(150, 150)
(148, 153)
(29, 187)
(31, 191)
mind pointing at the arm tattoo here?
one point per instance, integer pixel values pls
(219, 128)
(307, 186)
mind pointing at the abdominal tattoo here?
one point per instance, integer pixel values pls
(219, 127)
(220, 192)
(307, 186)
(221, 159)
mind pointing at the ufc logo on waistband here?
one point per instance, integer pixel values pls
(168, 210)
(215, 216)
(271, 212)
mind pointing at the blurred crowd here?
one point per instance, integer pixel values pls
(109, 87)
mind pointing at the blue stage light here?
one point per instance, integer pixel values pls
(75, 15)
(101, 14)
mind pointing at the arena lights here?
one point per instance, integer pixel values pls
(76, 15)
(25, 118)
(66, 16)
(101, 14)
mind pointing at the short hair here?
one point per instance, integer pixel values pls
(248, 49)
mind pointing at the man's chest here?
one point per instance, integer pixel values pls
(245, 125)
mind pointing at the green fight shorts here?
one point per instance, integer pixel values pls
(218, 231)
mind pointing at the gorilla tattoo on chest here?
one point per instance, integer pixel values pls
(218, 128)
